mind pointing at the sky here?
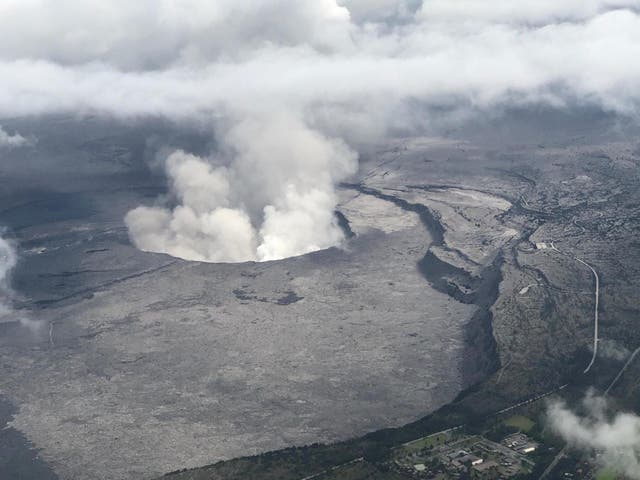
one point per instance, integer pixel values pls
(293, 88)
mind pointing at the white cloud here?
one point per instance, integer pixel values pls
(8, 260)
(527, 12)
(584, 62)
(388, 11)
(615, 437)
(612, 349)
(152, 34)
(10, 141)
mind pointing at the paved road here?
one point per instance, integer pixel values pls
(597, 299)
(553, 463)
(595, 323)
(531, 400)
(329, 470)
(406, 444)
(622, 370)
(575, 222)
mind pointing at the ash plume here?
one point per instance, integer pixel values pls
(594, 428)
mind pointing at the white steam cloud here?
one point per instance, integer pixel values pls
(10, 141)
(613, 350)
(8, 260)
(615, 437)
(304, 71)
(275, 200)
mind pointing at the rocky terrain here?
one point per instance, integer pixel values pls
(571, 205)
(137, 364)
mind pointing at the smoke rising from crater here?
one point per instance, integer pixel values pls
(334, 69)
(275, 199)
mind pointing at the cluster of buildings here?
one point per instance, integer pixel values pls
(472, 457)
(520, 443)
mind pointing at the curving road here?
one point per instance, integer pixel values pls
(597, 298)
(595, 323)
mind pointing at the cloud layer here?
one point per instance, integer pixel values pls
(335, 69)
(614, 436)
(174, 57)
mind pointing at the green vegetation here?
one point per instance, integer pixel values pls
(360, 471)
(391, 454)
(606, 474)
(520, 422)
(427, 442)
(288, 464)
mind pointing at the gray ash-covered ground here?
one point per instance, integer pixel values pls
(144, 364)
